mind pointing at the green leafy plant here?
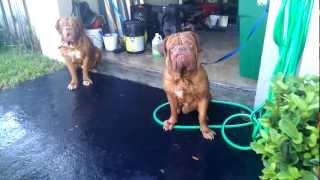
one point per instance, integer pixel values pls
(289, 142)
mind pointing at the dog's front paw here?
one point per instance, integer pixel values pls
(87, 82)
(207, 133)
(168, 124)
(73, 85)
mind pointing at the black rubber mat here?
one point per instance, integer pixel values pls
(107, 132)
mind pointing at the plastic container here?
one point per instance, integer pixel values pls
(134, 32)
(95, 36)
(110, 41)
(223, 21)
(156, 43)
(214, 19)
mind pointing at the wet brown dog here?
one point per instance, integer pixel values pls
(185, 80)
(77, 50)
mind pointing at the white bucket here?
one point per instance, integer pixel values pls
(110, 41)
(95, 37)
(213, 20)
(223, 21)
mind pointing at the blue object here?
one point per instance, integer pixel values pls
(254, 28)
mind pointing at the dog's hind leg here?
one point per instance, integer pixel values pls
(187, 108)
(96, 60)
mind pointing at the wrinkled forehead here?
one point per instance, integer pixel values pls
(181, 39)
(67, 22)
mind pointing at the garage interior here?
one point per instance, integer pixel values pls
(233, 79)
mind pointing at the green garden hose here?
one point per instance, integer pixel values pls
(251, 115)
(290, 34)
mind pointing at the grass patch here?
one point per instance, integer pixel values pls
(17, 66)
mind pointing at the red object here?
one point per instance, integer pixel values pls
(208, 8)
(97, 23)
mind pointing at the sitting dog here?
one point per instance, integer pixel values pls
(77, 50)
(185, 80)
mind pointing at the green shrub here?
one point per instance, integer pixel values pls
(289, 142)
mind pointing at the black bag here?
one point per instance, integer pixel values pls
(149, 18)
(86, 14)
(171, 20)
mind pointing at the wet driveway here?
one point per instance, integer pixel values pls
(107, 132)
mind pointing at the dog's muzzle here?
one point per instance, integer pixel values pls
(183, 59)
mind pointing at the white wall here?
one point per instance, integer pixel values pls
(269, 55)
(310, 58)
(65, 6)
(44, 15)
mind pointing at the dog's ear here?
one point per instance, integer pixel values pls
(77, 22)
(163, 46)
(58, 28)
(166, 51)
(196, 38)
(197, 46)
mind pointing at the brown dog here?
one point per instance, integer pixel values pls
(185, 80)
(77, 50)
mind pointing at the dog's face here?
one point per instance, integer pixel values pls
(69, 28)
(181, 52)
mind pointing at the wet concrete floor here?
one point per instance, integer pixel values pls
(107, 132)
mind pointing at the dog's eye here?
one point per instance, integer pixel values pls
(171, 48)
(181, 48)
